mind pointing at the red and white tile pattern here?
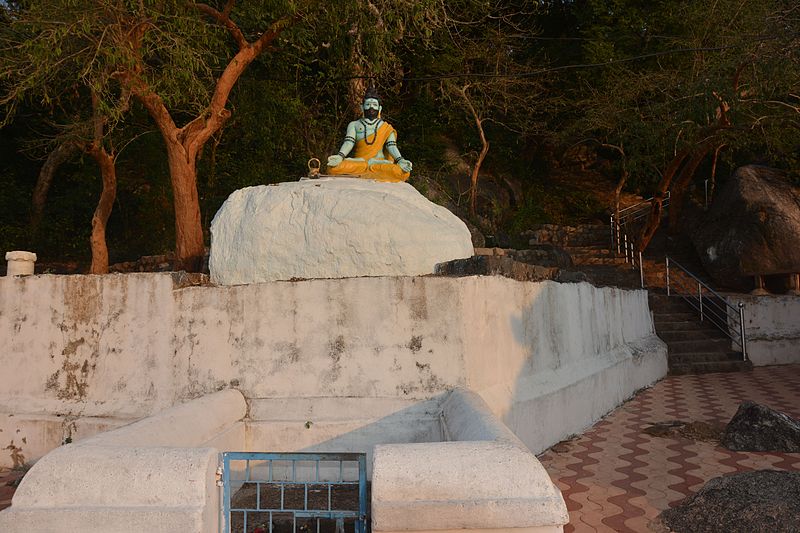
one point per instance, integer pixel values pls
(615, 477)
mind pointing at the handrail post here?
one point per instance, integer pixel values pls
(741, 331)
(626, 246)
(700, 297)
(667, 276)
(611, 227)
(633, 257)
(641, 269)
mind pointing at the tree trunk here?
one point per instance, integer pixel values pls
(654, 218)
(189, 243)
(476, 168)
(678, 196)
(184, 144)
(617, 193)
(108, 173)
(473, 190)
(62, 153)
(714, 173)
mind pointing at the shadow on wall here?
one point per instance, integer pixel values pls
(446, 463)
(355, 428)
(586, 350)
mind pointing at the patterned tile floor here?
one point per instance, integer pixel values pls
(615, 477)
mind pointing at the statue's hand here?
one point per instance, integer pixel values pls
(405, 165)
(335, 160)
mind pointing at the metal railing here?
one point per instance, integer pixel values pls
(623, 227)
(274, 492)
(712, 306)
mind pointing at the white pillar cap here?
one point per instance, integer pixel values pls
(19, 255)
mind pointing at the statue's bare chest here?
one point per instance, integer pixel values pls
(364, 130)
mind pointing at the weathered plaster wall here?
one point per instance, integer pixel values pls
(772, 328)
(155, 475)
(126, 346)
(158, 474)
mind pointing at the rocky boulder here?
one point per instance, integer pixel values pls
(331, 228)
(752, 227)
(763, 501)
(547, 255)
(757, 428)
(484, 265)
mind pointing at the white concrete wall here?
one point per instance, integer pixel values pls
(482, 479)
(155, 475)
(340, 424)
(772, 328)
(549, 358)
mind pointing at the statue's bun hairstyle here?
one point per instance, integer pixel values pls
(372, 92)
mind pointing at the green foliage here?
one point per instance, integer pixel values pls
(294, 101)
(555, 203)
(700, 54)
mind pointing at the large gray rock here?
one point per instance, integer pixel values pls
(763, 501)
(547, 255)
(483, 265)
(331, 228)
(752, 227)
(757, 428)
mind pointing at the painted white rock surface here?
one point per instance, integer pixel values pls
(331, 228)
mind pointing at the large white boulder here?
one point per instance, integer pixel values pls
(331, 228)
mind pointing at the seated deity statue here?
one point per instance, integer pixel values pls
(373, 139)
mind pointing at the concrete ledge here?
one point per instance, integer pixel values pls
(333, 408)
(190, 424)
(27, 437)
(105, 520)
(773, 351)
(151, 475)
(772, 328)
(462, 485)
(550, 406)
(90, 488)
(466, 417)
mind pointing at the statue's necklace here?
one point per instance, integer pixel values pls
(374, 134)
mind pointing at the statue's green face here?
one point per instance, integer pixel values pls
(372, 108)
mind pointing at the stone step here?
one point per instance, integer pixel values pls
(699, 346)
(684, 326)
(611, 276)
(676, 317)
(677, 335)
(589, 260)
(672, 306)
(597, 249)
(709, 368)
(704, 357)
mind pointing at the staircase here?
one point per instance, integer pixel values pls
(588, 246)
(694, 347)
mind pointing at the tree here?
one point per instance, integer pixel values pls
(166, 54)
(485, 75)
(674, 82)
(64, 94)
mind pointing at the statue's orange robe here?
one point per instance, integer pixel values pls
(380, 170)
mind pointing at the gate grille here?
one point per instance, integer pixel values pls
(297, 492)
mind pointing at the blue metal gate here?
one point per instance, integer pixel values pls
(273, 492)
